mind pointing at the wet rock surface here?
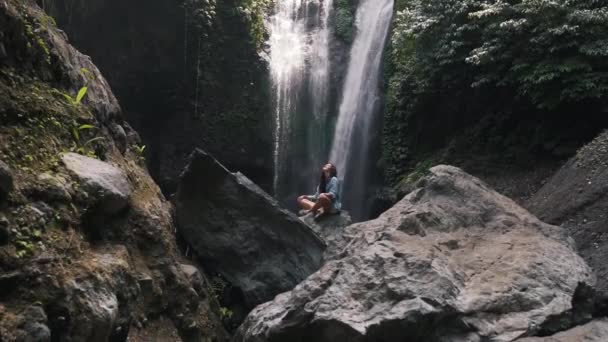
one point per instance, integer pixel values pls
(452, 261)
(241, 232)
(6, 180)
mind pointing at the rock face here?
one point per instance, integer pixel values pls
(59, 282)
(6, 180)
(52, 188)
(452, 261)
(151, 55)
(596, 331)
(107, 185)
(241, 232)
(34, 325)
(576, 198)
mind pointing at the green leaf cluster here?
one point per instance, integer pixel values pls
(458, 60)
(345, 11)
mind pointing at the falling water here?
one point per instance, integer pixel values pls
(299, 65)
(361, 99)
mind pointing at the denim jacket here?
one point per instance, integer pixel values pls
(332, 187)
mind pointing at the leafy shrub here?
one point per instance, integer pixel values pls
(450, 63)
(345, 11)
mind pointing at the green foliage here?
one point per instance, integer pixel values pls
(203, 12)
(218, 285)
(460, 58)
(80, 145)
(81, 93)
(550, 52)
(140, 150)
(76, 100)
(254, 13)
(47, 21)
(225, 313)
(345, 11)
(88, 75)
(36, 40)
(25, 239)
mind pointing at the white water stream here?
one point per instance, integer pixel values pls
(361, 96)
(299, 66)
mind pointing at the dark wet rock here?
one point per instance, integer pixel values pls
(52, 188)
(232, 118)
(89, 289)
(92, 311)
(34, 325)
(99, 313)
(452, 261)
(106, 185)
(595, 331)
(120, 137)
(194, 276)
(146, 286)
(5, 230)
(36, 332)
(54, 59)
(6, 180)
(241, 232)
(576, 197)
(9, 281)
(37, 213)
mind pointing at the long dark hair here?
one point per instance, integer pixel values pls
(333, 172)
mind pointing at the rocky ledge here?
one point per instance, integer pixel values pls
(241, 232)
(452, 261)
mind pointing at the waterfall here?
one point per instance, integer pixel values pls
(299, 67)
(360, 100)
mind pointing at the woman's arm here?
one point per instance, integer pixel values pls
(332, 188)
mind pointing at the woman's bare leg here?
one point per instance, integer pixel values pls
(305, 203)
(323, 203)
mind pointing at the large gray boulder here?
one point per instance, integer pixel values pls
(595, 331)
(241, 232)
(576, 198)
(452, 261)
(106, 185)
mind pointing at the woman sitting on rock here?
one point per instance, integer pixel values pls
(327, 198)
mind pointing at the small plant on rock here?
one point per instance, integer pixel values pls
(140, 150)
(75, 101)
(82, 146)
(225, 313)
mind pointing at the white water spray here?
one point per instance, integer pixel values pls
(299, 65)
(361, 92)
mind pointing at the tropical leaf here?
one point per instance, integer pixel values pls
(90, 141)
(81, 93)
(75, 134)
(85, 126)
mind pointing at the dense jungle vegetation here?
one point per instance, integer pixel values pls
(476, 77)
